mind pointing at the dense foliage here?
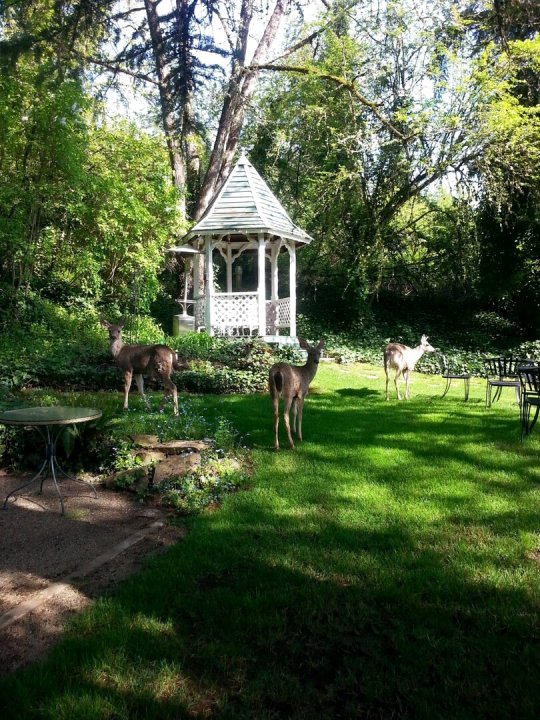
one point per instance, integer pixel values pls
(428, 206)
(405, 142)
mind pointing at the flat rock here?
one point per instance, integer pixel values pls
(175, 466)
(170, 447)
(125, 478)
(148, 456)
(176, 447)
(145, 441)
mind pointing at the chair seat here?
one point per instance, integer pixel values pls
(504, 383)
(448, 375)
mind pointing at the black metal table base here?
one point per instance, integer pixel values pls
(49, 466)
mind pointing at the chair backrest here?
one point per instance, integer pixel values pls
(504, 366)
(529, 377)
(444, 364)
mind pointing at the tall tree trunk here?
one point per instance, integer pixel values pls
(239, 93)
(172, 123)
(190, 146)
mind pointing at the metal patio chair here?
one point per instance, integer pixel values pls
(501, 372)
(448, 374)
(529, 378)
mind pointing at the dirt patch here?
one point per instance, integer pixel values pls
(51, 566)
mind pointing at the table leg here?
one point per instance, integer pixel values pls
(21, 487)
(50, 464)
(76, 480)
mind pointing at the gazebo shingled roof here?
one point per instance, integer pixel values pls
(246, 205)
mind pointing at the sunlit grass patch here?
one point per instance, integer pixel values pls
(388, 567)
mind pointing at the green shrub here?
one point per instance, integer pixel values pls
(207, 485)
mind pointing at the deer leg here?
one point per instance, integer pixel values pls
(287, 402)
(128, 376)
(300, 410)
(170, 389)
(406, 376)
(396, 377)
(175, 400)
(140, 386)
(295, 412)
(387, 381)
(275, 406)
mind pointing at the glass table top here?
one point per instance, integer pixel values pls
(59, 415)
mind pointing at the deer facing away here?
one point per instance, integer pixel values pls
(403, 359)
(151, 360)
(292, 382)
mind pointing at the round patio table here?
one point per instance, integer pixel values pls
(50, 422)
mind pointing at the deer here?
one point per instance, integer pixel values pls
(292, 383)
(151, 360)
(403, 360)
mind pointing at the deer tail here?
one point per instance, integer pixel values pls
(179, 363)
(277, 379)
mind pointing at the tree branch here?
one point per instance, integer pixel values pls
(342, 82)
(298, 45)
(117, 69)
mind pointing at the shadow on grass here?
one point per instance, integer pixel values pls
(253, 621)
(357, 392)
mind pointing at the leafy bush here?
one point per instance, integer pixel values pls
(205, 486)
(486, 335)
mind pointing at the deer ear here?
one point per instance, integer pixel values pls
(303, 344)
(104, 323)
(121, 322)
(320, 345)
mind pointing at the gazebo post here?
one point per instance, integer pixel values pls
(209, 286)
(196, 279)
(274, 250)
(291, 247)
(229, 268)
(261, 285)
(274, 283)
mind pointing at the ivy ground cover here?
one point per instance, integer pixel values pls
(389, 568)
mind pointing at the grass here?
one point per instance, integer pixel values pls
(386, 569)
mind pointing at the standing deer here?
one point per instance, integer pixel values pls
(403, 360)
(151, 360)
(292, 382)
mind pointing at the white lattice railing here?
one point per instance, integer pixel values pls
(283, 312)
(237, 313)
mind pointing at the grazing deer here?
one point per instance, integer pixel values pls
(292, 381)
(403, 360)
(151, 360)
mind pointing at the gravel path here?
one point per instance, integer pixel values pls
(52, 566)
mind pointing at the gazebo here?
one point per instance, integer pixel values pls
(246, 217)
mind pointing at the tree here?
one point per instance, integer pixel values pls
(165, 48)
(357, 171)
(86, 208)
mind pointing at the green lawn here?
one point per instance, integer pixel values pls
(388, 568)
